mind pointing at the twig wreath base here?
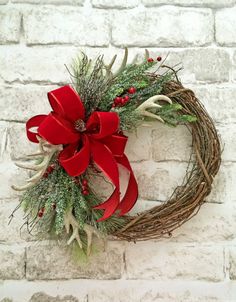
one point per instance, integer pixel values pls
(83, 136)
(186, 200)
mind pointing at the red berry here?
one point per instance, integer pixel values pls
(132, 90)
(85, 192)
(113, 105)
(150, 60)
(50, 168)
(40, 214)
(123, 101)
(117, 100)
(84, 182)
(126, 98)
(159, 59)
(45, 175)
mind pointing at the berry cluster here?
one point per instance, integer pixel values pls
(151, 59)
(85, 190)
(42, 210)
(121, 101)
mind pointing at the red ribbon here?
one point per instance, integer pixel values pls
(99, 141)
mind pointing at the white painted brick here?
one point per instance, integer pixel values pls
(10, 233)
(187, 270)
(45, 64)
(161, 262)
(157, 181)
(213, 223)
(226, 26)
(195, 63)
(79, 27)
(107, 265)
(10, 20)
(120, 290)
(115, 3)
(24, 101)
(222, 184)
(35, 64)
(4, 136)
(9, 173)
(232, 263)
(17, 63)
(12, 261)
(49, 291)
(197, 3)
(62, 2)
(19, 143)
(144, 292)
(166, 26)
(219, 102)
(41, 296)
(227, 134)
(234, 66)
(139, 144)
(171, 143)
(232, 182)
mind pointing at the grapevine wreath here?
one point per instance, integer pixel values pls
(83, 138)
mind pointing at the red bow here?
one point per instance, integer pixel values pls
(96, 139)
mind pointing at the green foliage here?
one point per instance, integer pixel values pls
(89, 81)
(132, 75)
(171, 114)
(56, 194)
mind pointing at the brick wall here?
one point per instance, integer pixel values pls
(37, 37)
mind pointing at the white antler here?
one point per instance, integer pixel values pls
(150, 104)
(46, 151)
(69, 220)
(108, 67)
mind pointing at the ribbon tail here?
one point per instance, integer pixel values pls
(131, 194)
(109, 206)
(105, 161)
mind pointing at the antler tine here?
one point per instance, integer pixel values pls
(109, 67)
(40, 167)
(147, 54)
(124, 62)
(69, 220)
(151, 103)
(22, 188)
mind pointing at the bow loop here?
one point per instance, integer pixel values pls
(67, 103)
(57, 130)
(102, 124)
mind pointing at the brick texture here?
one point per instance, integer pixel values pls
(9, 26)
(197, 262)
(80, 28)
(163, 27)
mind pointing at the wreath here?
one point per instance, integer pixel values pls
(84, 138)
